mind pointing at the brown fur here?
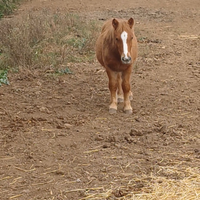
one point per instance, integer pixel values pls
(109, 52)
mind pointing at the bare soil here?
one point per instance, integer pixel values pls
(57, 138)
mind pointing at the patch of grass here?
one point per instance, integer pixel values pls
(64, 71)
(46, 39)
(3, 77)
(7, 6)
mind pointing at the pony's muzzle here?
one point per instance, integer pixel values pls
(126, 60)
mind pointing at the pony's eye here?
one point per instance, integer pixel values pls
(117, 39)
(131, 37)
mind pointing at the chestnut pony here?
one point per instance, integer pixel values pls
(116, 50)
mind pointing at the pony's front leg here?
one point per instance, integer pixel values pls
(113, 84)
(120, 94)
(127, 92)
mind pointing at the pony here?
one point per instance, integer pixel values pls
(116, 50)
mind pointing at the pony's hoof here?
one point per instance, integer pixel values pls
(120, 100)
(128, 112)
(112, 111)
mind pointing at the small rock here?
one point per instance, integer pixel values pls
(105, 146)
(68, 126)
(39, 83)
(78, 180)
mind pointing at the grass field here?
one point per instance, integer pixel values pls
(44, 39)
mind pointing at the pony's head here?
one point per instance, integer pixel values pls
(123, 34)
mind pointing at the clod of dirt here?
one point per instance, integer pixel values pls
(44, 109)
(60, 126)
(119, 193)
(139, 185)
(197, 151)
(137, 119)
(58, 172)
(99, 138)
(111, 139)
(135, 132)
(129, 140)
(163, 129)
(82, 194)
(105, 146)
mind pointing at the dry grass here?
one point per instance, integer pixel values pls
(167, 189)
(153, 188)
(46, 39)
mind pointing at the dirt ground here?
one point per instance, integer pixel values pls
(57, 138)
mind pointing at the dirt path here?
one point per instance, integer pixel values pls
(57, 139)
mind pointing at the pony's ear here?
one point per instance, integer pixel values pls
(131, 22)
(115, 23)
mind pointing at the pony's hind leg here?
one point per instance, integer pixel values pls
(127, 92)
(130, 96)
(120, 94)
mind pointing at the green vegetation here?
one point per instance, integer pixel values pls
(3, 77)
(64, 71)
(7, 6)
(46, 39)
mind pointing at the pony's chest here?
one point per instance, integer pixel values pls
(118, 67)
(113, 62)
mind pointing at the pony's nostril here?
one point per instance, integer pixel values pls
(126, 59)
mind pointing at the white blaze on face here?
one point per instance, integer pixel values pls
(124, 37)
